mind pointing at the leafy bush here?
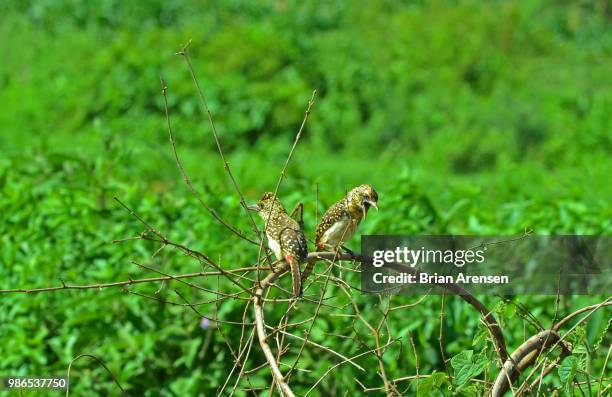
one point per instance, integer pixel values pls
(468, 117)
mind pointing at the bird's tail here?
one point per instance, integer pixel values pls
(296, 277)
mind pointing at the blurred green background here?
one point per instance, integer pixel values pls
(473, 117)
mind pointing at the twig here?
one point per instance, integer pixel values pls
(327, 349)
(186, 250)
(192, 285)
(441, 336)
(566, 319)
(186, 178)
(284, 170)
(487, 316)
(65, 286)
(185, 54)
(416, 359)
(339, 364)
(101, 362)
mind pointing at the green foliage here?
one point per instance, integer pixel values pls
(468, 117)
(434, 385)
(567, 372)
(467, 366)
(495, 102)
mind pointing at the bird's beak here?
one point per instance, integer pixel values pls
(253, 207)
(372, 203)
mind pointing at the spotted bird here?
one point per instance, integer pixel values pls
(341, 220)
(285, 238)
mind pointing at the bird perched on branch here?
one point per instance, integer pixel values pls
(285, 238)
(340, 221)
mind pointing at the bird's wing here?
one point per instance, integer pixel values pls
(331, 216)
(293, 238)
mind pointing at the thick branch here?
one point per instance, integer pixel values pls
(523, 357)
(527, 354)
(258, 302)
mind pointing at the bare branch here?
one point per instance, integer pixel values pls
(185, 54)
(186, 178)
(261, 329)
(99, 361)
(566, 319)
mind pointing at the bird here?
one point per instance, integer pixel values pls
(285, 237)
(341, 220)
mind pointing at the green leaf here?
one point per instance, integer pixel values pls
(431, 384)
(580, 349)
(480, 337)
(578, 336)
(567, 371)
(467, 366)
